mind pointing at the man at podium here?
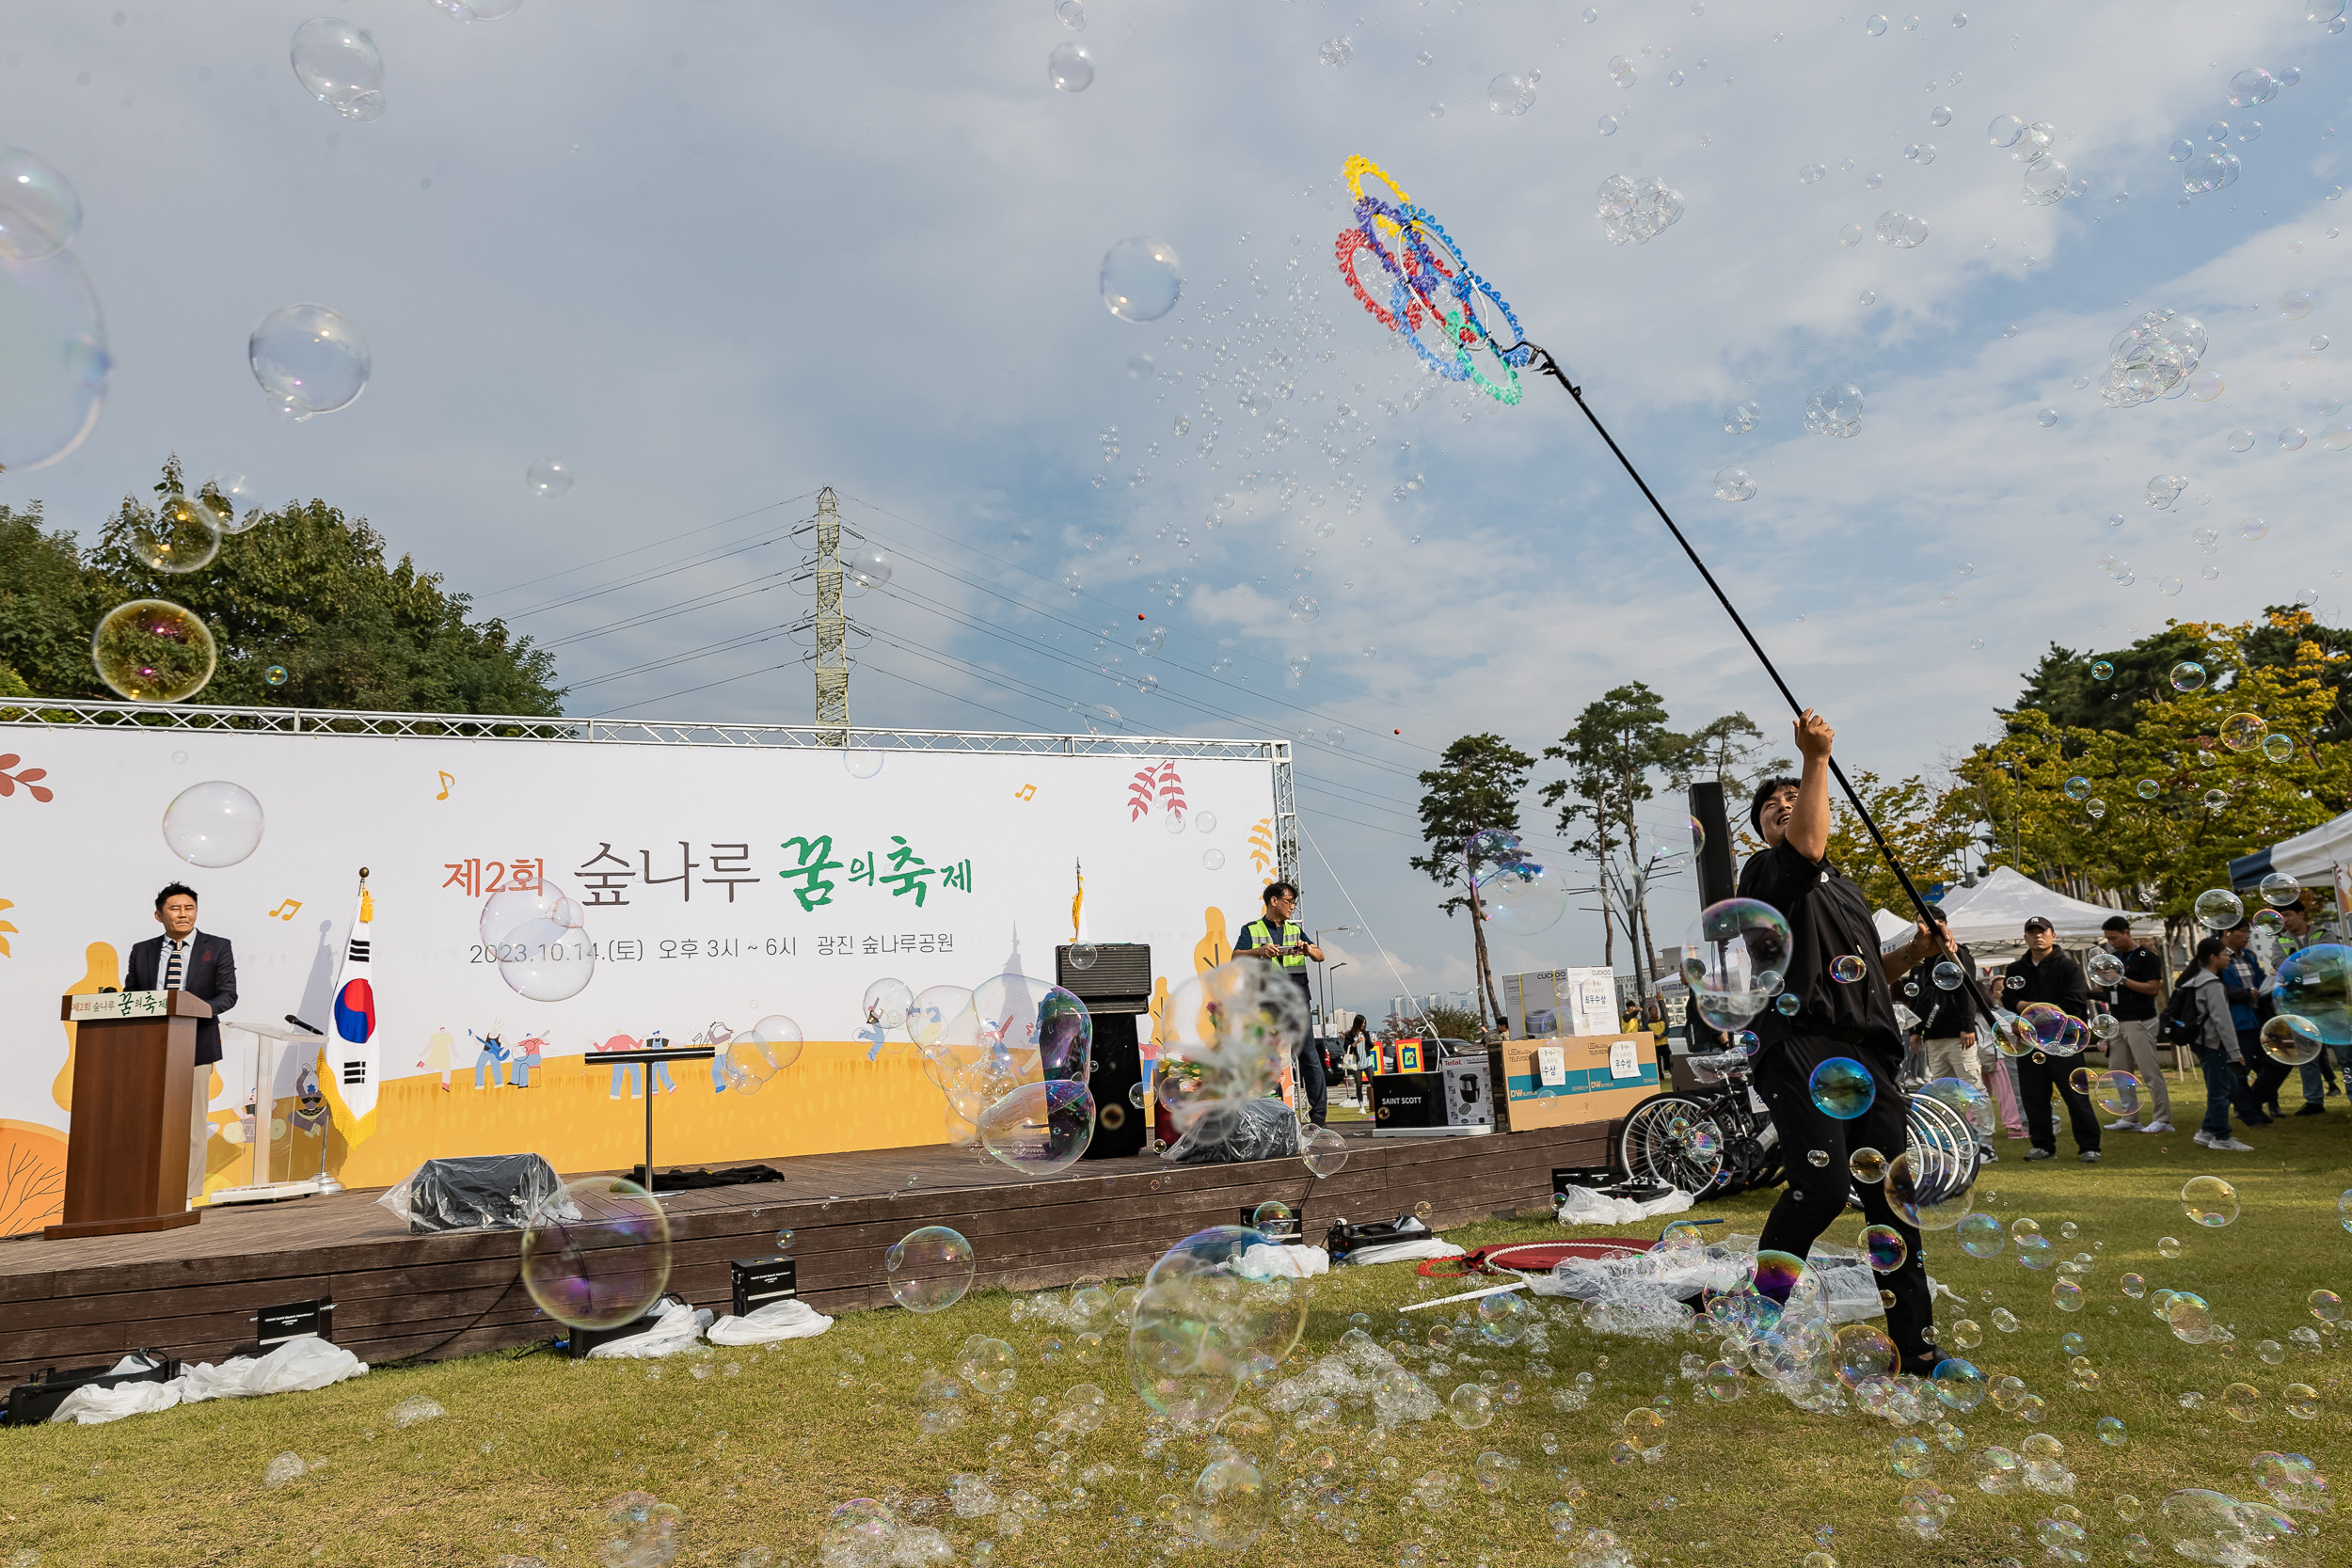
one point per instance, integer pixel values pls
(204, 966)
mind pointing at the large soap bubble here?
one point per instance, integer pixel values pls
(2291, 1041)
(886, 1004)
(1735, 955)
(2218, 909)
(930, 1269)
(751, 1058)
(310, 359)
(1522, 898)
(1143, 277)
(1039, 1128)
(1201, 1325)
(2315, 985)
(39, 210)
(1835, 411)
(213, 824)
(534, 932)
(597, 1252)
(152, 651)
(53, 343)
(1636, 212)
(1041, 1024)
(1842, 1088)
(940, 1015)
(339, 65)
(2152, 357)
(1224, 1038)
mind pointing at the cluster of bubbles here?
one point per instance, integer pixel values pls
(536, 934)
(1902, 230)
(1637, 212)
(1011, 1055)
(339, 65)
(2148, 358)
(1835, 411)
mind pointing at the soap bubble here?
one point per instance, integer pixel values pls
(1835, 411)
(1511, 95)
(39, 210)
(1306, 608)
(1733, 484)
(1505, 1319)
(237, 500)
(1980, 1236)
(310, 359)
(2218, 909)
(2155, 353)
(1842, 1088)
(595, 1253)
(1039, 1128)
(2046, 181)
(2252, 87)
(2215, 170)
(988, 1364)
(2281, 891)
(276, 675)
(181, 535)
(1735, 955)
(2291, 1040)
(1882, 1244)
(1224, 1035)
(1858, 1352)
(2104, 969)
(1741, 418)
(1322, 1151)
(886, 1004)
(1200, 1325)
(2115, 1092)
(1636, 212)
(1520, 897)
(535, 934)
(1232, 1503)
(53, 341)
(548, 479)
(1143, 277)
(1043, 1030)
(1930, 1188)
(152, 651)
(1846, 969)
(1868, 1167)
(2209, 1201)
(2242, 731)
(760, 1053)
(213, 824)
(942, 1016)
(1958, 1385)
(1902, 230)
(338, 64)
(1071, 67)
(2187, 676)
(930, 1269)
(866, 563)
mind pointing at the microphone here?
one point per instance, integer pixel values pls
(310, 1028)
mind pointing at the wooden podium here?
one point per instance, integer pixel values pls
(126, 1162)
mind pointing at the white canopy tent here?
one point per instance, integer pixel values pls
(1994, 913)
(2312, 857)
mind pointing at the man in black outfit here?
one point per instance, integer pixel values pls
(1829, 919)
(2049, 975)
(204, 966)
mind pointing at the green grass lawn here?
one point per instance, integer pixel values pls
(756, 1446)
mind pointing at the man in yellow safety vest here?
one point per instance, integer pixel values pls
(1280, 940)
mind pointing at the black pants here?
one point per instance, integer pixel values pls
(1314, 1092)
(2262, 1079)
(2037, 1075)
(1815, 1198)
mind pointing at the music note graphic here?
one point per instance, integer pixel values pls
(447, 780)
(1027, 792)
(286, 909)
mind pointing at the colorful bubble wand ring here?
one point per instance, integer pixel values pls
(1433, 286)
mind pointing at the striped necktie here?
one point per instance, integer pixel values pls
(171, 971)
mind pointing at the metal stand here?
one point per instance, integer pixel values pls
(667, 1054)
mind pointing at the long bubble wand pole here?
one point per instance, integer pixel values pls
(1542, 362)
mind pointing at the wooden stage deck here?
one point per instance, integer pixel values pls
(192, 1292)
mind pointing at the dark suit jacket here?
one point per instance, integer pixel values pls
(210, 976)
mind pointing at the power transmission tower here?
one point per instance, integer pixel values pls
(829, 624)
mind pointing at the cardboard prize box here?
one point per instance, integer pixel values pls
(1576, 1077)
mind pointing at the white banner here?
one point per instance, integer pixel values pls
(718, 883)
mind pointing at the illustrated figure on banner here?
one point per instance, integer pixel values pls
(436, 1054)
(526, 1061)
(492, 1051)
(660, 1070)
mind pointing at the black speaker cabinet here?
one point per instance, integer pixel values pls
(1120, 1132)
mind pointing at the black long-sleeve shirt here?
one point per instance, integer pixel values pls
(2056, 979)
(1944, 1015)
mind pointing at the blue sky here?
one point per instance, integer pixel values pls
(714, 255)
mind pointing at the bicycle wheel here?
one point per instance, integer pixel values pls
(1673, 1140)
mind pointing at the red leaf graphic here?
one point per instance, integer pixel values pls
(30, 774)
(41, 792)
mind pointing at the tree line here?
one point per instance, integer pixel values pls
(2107, 780)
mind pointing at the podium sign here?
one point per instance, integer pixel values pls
(126, 1163)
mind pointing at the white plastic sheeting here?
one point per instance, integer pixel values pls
(678, 1326)
(790, 1318)
(297, 1365)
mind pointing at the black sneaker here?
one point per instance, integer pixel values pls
(2312, 1110)
(2039, 1153)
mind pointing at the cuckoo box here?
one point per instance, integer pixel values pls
(1577, 1078)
